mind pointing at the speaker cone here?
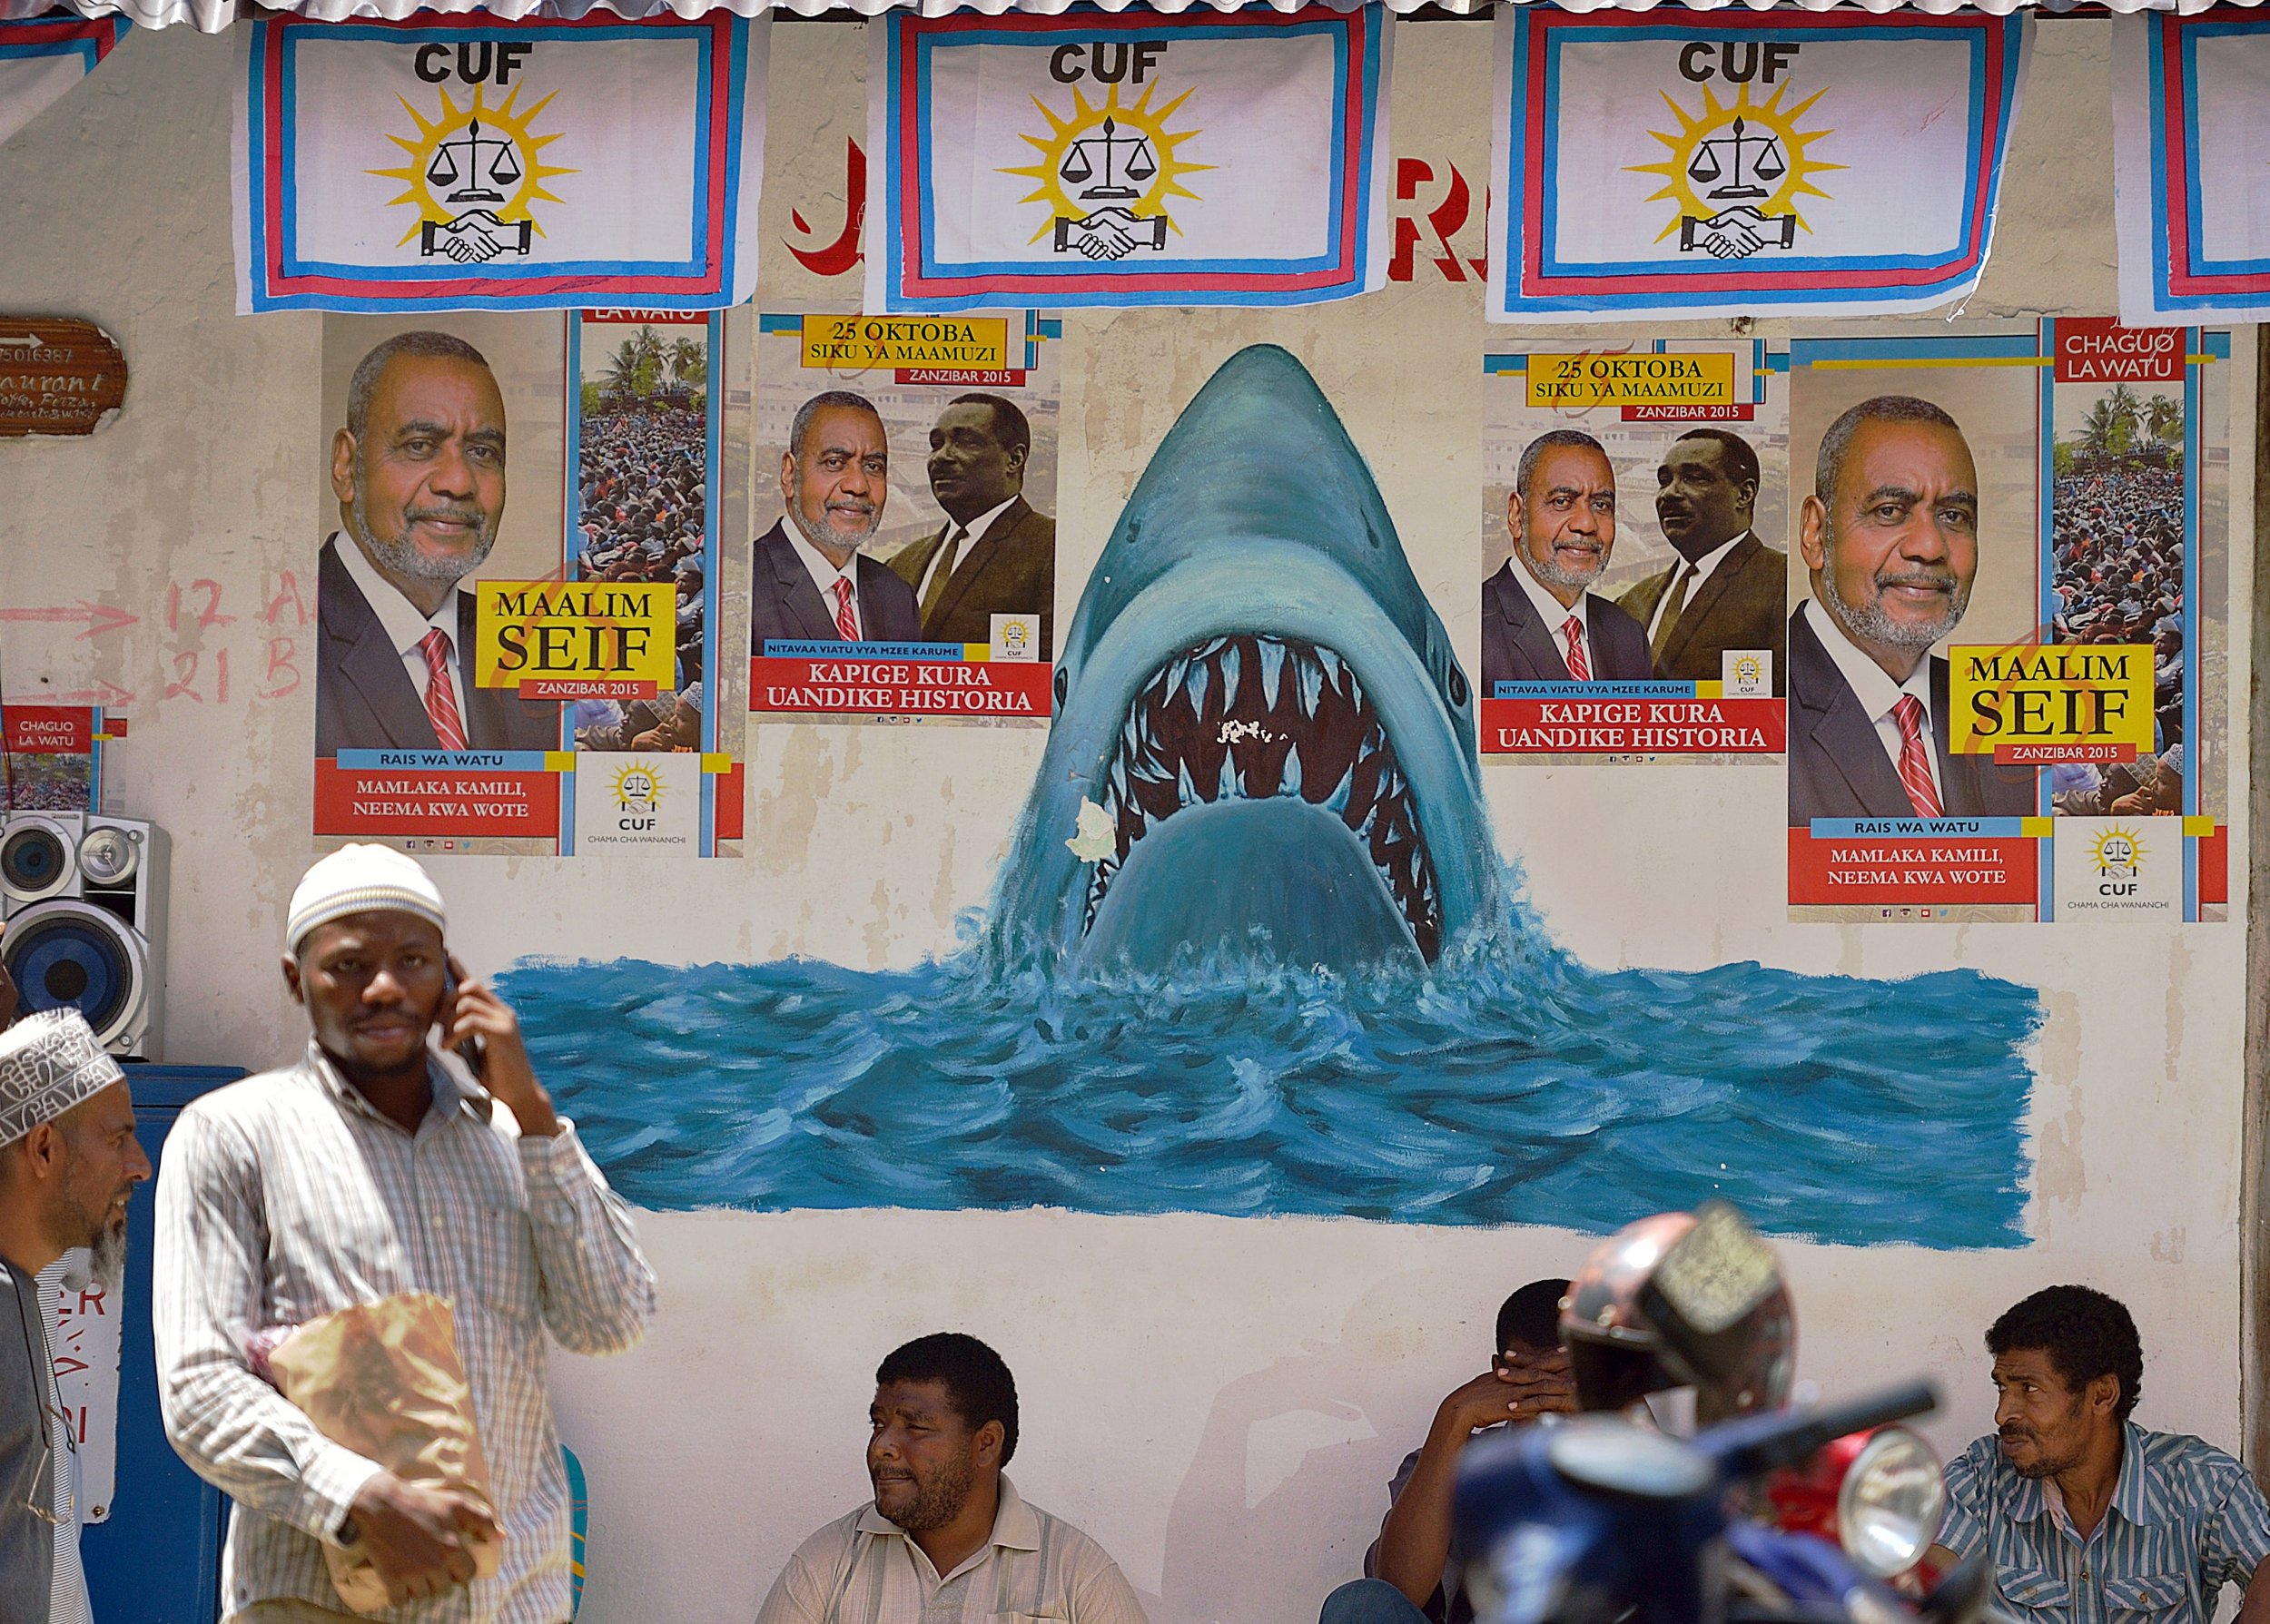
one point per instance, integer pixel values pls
(34, 861)
(67, 955)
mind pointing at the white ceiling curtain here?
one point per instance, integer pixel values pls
(212, 15)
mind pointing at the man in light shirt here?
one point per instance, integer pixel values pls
(1726, 592)
(372, 1167)
(1540, 620)
(1890, 535)
(947, 1539)
(419, 470)
(811, 582)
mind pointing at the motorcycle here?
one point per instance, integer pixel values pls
(1600, 1519)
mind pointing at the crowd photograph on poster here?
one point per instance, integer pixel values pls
(1253, 1060)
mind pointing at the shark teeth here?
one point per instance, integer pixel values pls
(1255, 716)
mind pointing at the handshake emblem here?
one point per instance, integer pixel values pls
(1737, 233)
(473, 238)
(1110, 233)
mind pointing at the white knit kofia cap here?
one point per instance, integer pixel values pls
(359, 880)
(49, 1062)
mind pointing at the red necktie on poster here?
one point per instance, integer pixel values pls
(846, 622)
(1915, 764)
(1573, 630)
(440, 691)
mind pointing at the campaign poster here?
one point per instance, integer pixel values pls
(517, 560)
(904, 563)
(646, 443)
(51, 758)
(1634, 585)
(2010, 571)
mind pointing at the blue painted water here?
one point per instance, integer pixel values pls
(1509, 1084)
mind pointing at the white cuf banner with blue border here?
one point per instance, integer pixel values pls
(1095, 159)
(1657, 168)
(42, 57)
(2191, 166)
(481, 164)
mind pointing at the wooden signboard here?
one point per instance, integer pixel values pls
(58, 375)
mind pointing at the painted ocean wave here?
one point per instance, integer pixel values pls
(1509, 1084)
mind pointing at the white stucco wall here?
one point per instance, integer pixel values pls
(1219, 1400)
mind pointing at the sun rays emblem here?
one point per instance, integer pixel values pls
(1106, 173)
(474, 175)
(636, 788)
(1735, 172)
(2118, 853)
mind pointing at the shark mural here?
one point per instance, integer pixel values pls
(1255, 950)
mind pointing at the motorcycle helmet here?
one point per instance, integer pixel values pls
(1681, 1300)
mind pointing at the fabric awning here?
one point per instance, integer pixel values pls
(212, 15)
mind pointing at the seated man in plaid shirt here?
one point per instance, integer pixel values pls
(2087, 1516)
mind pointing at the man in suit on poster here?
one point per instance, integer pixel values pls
(1727, 589)
(420, 474)
(995, 555)
(811, 581)
(1540, 620)
(1890, 535)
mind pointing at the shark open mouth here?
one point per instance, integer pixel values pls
(1253, 717)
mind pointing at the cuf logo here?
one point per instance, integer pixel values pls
(636, 788)
(473, 173)
(2118, 854)
(1736, 169)
(1107, 171)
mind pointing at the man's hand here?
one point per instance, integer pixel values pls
(1516, 1387)
(478, 1013)
(418, 1539)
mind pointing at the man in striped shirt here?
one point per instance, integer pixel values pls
(2087, 1516)
(947, 1539)
(373, 1167)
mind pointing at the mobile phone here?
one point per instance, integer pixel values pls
(472, 1052)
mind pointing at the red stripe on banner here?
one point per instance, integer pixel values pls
(272, 115)
(394, 800)
(853, 686)
(2215, 865)
(103, 31)
(1756, 726)
(2180, 278)
(728, 818)
(916, 284)
(1941, 871)
(1538, 192)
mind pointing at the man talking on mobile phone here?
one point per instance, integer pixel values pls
(374, 1167)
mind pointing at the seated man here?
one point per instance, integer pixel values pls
(947, 1539)
(2084, 1513)
(1414, 1564)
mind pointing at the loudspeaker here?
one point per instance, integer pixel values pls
(84, 901)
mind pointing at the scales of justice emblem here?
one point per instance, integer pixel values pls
(1106, 173)
(1735, 174)
(473, 175)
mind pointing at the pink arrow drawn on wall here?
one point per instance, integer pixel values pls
(103, 693)
(99, 617)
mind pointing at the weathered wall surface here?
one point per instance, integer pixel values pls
(1220, 1401)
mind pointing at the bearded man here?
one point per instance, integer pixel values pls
(947, 1539)
(419, 470)
(1890, 536)
(2087, 1515)
(68, 1162)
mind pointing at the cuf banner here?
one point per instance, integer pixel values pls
(42, 57)
(1764, 163)
(487, 165)
(2191, 138)
(1127, 158)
